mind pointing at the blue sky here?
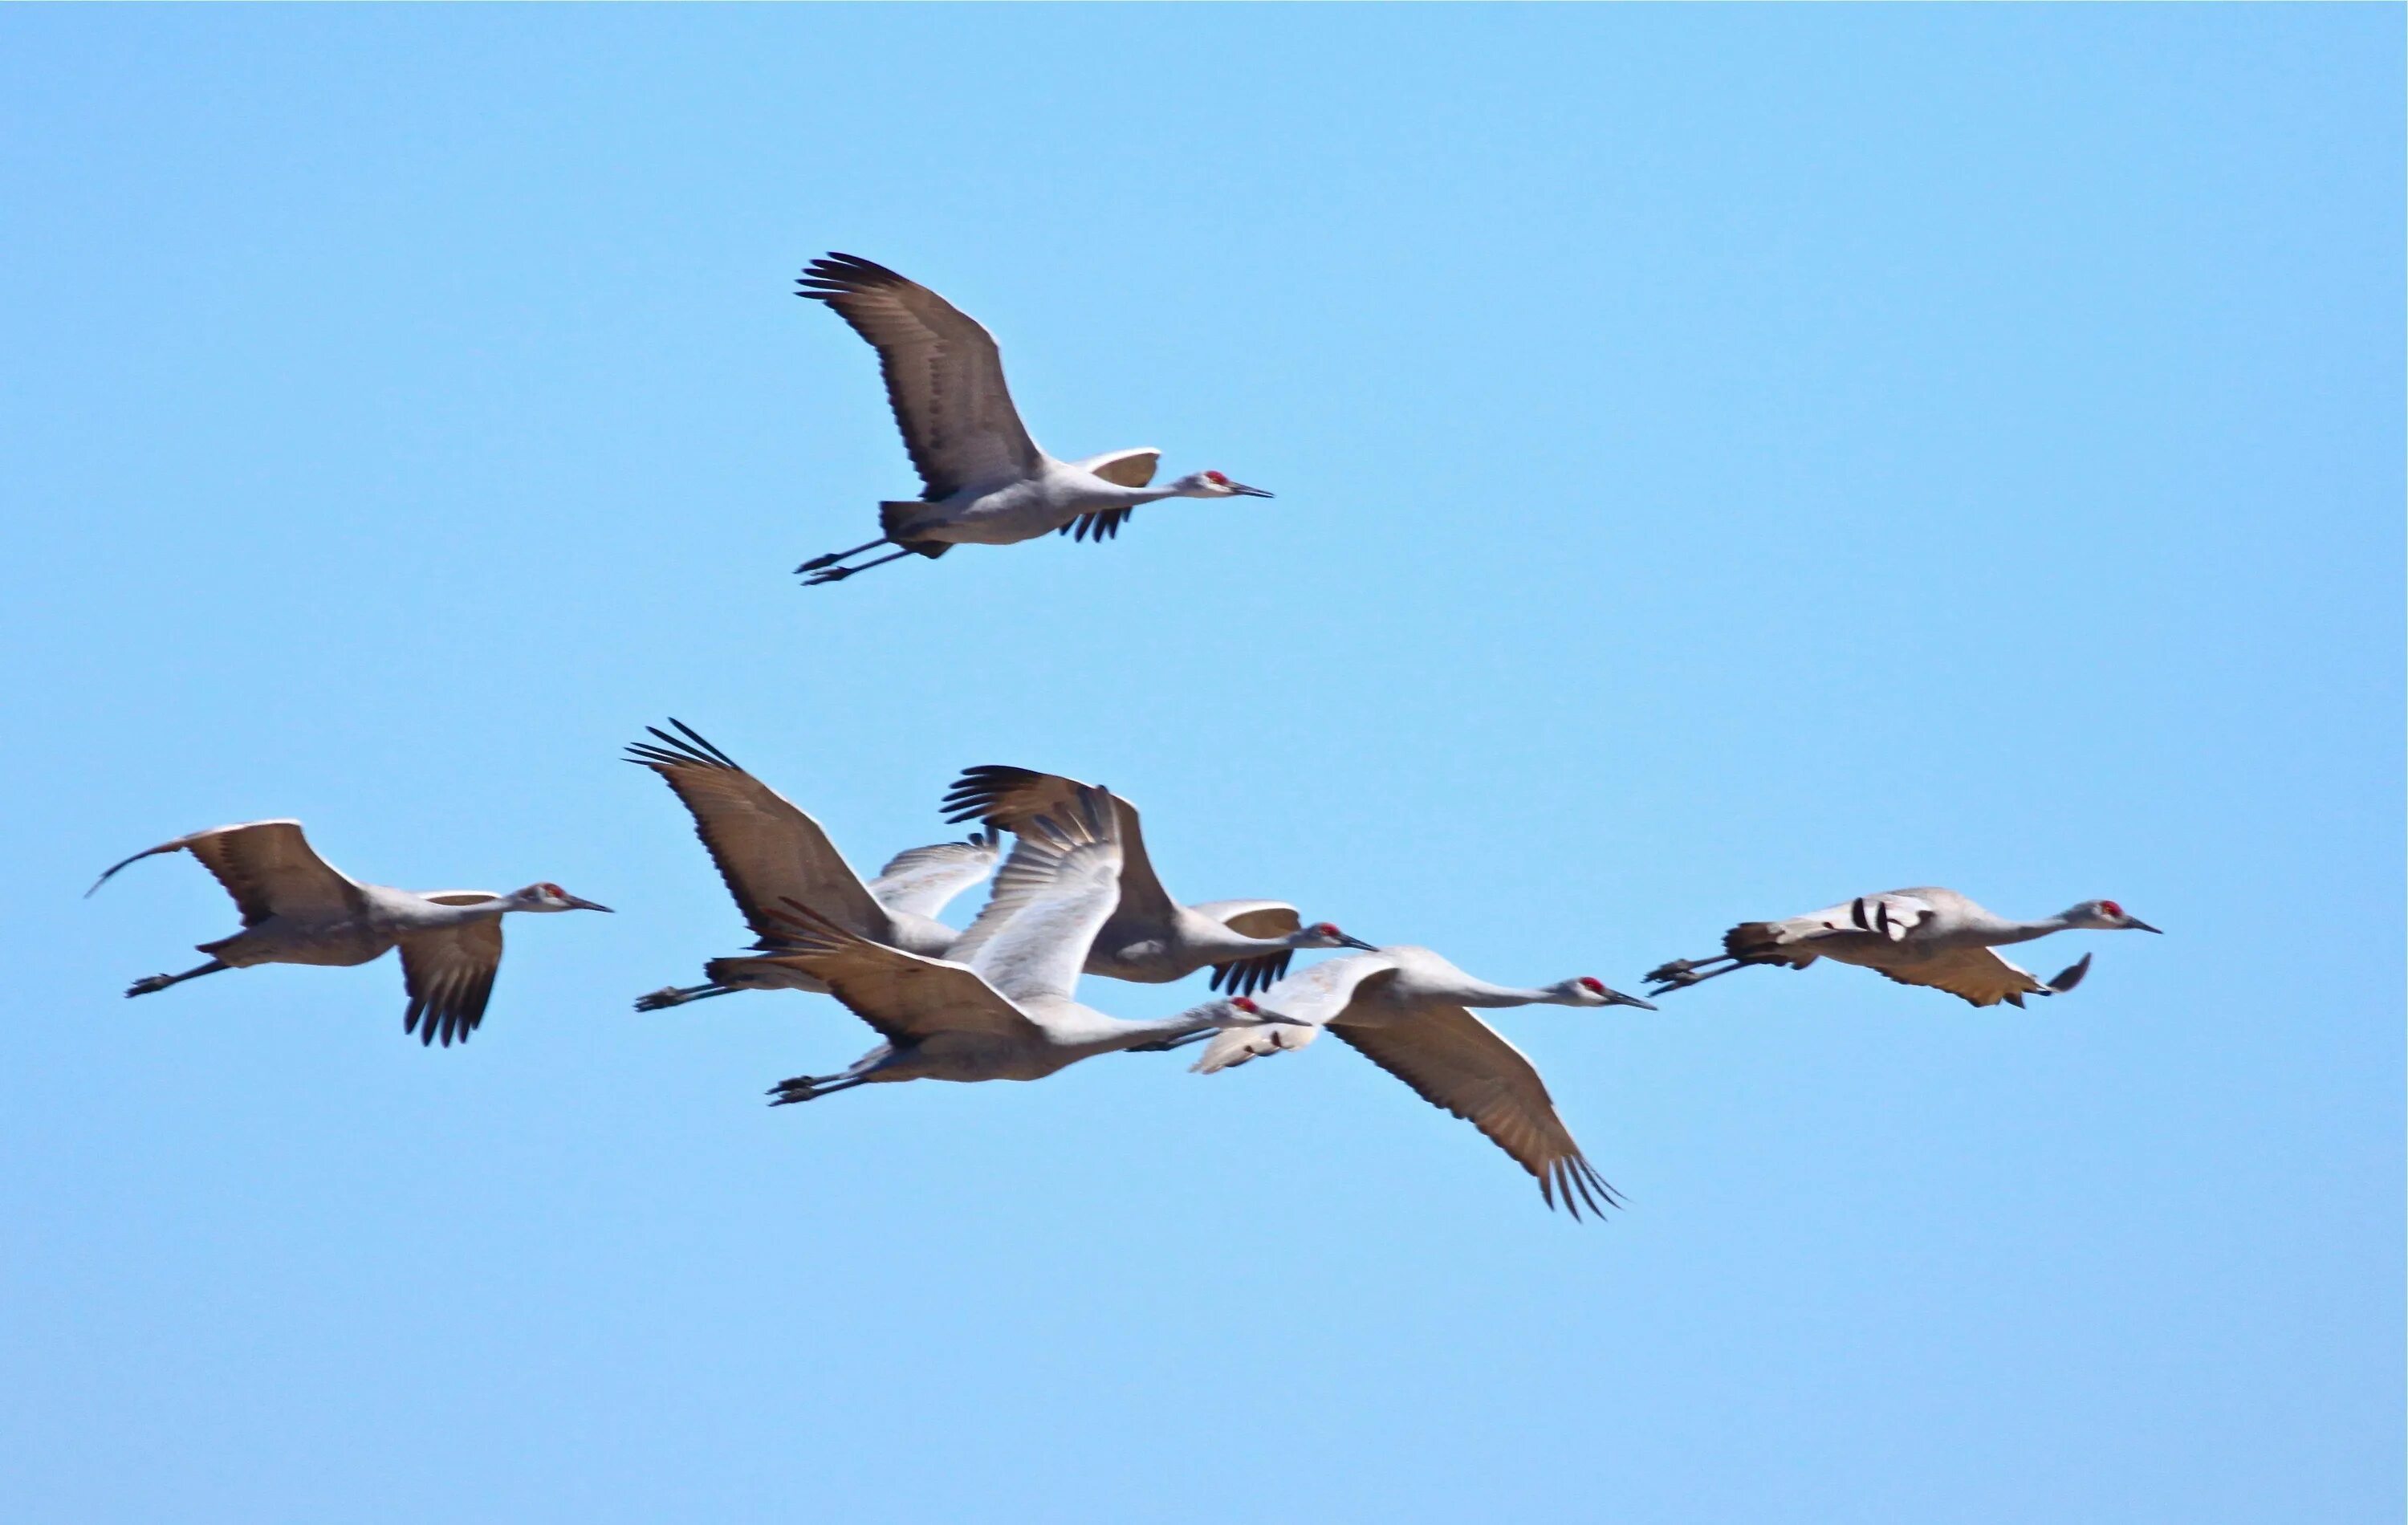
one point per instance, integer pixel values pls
(1727, 460)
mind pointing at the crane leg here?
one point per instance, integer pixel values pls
(161, 981)
(837, 574)
(1681, 972)
(812, 1088)
(676, 995)
(834, 556)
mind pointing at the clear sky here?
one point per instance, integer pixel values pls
(1727, 460)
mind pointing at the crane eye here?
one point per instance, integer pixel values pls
(1216, 478)
(2110, 908)
(1593, 983)
(1327, 929)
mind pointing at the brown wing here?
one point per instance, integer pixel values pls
(1010, 797)
(944, 376)
(1459, 1064)
(448, 974)
(269, 867)
(766, 850)
(1979, 975)
(907, 998)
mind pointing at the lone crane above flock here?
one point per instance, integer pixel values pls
(986, 480)
(1078, 893)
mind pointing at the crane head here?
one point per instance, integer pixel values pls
(1588, 990)
(1325, 934)
(1213, 484)
(547, 896)
(2106, 917)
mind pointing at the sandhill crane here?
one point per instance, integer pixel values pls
(1922, 936)
(767, 852)
(298, 909)
(1404, 1008)
(984, 481)
(1151, 938)
(1007, 1014)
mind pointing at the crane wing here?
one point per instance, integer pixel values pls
(944, 376)
(1298, 1008)
(1979, 975)
(269, 867)
(1456, 1062)
(449, 973)
(1050, 897)
(1007, 796)
(766, 850)
(1252, 918)
(907, 998)
(1124, 468)
(918, 880)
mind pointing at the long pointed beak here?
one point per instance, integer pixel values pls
(2140, 925)
(1616, 997)
(1354, 942)
(1243, 491)
(576, 904)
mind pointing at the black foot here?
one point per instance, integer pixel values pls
(800, 1088)
(150, 984)
(817, 562)
(662, 998)
(834, 574)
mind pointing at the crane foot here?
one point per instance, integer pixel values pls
(834, 574)
(800, 1088)
(662, 998)
(150, 984)
(817, 562)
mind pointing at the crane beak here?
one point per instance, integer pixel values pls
(1243, 491)
(1616, 997)
(576, 904)
(2139, 926)
(1353, 941)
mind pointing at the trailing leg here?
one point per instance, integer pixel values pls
(161, 981)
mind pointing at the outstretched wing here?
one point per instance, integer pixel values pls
(907, 998)
(1051, 896)
(944, 376)
(1008, 797)
(269, 867)
(1122, 468)
(1265, 919)
(766, 850)
(449, 973)
(1459, 1064)
(1979, 975)
(918, 880)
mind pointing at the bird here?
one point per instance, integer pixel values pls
(1006, 1013)
(984, 481)
(1405, 1008)
(1150, 939)
(298, 909)
(767, 851)
(1922, 936)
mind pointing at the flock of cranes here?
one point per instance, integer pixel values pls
(1077, 893)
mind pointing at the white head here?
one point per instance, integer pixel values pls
(1325, 934)
(548, 896)
(2104, 916)
(1588, 990)
(1213, 484)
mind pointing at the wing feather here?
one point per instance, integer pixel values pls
(269, 867)
(449, 973)
(944, 375)
(1460, 1064)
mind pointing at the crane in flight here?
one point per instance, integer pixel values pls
(767, 851)
(1150, 937)
(1406, 1010)
(984, 481)
(298, 909)
(1007, 1013)
(1923, 936)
